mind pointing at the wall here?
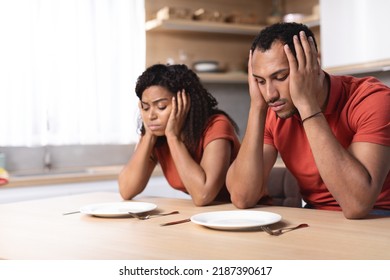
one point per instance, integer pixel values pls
(235, 100)
(354, 33)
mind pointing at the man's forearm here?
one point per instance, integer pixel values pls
(245, 176)
(344, 175)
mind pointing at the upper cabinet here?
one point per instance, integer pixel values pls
(355, 36)
(221, 31)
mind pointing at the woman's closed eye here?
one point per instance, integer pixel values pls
(144, 106)
(162, 107)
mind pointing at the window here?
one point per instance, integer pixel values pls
(68, 70)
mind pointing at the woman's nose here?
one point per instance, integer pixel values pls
(152, 115)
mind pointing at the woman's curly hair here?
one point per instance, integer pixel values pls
(175, 78)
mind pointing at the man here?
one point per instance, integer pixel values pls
(332, 132)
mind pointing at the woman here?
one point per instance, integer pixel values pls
(183, 130)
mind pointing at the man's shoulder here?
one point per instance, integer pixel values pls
(360, 85)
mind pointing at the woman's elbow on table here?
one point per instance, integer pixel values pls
(125, 194)
(125, 190)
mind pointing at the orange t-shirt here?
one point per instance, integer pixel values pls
(358, 110)
(219, 127)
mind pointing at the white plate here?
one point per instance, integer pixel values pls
(235, 219)
(206, 66)
(117, 209)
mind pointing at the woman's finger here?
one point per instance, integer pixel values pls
(174, 108)
(186, 102)
(180, 103)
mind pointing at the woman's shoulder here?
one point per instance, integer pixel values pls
(220, 127)
(218, 118)
(219, 124)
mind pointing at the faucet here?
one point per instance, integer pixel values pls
(47, 160)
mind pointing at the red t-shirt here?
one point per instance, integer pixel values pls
(219, 127)
(358, 110)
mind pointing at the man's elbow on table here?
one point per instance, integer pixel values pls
(243, 201)
(357, 211)
(240, 197)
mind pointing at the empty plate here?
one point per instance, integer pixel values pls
(235, 219)
(117, 209)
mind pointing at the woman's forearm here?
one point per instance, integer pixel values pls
(136, 173)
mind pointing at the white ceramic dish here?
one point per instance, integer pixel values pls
(235, 219)
(295, 17)
(206, 66)
(117, 209)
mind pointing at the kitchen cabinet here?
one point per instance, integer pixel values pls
(354, 36)
(184, 40)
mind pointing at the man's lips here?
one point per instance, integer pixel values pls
(276, 106)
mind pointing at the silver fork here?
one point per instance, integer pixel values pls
(280, 231)
(152, 216)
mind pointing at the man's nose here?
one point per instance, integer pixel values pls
(271, 92)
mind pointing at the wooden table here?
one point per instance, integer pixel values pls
(38, 230)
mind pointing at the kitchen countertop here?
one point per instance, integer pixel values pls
(88, 174)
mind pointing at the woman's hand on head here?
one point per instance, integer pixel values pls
(180, 108)
(148, 132)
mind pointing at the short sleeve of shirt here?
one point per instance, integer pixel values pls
(370, 118)
(269, 122)
(219, 127)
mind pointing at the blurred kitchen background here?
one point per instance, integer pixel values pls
(68, 69)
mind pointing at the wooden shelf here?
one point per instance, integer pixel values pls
(311, 21)
(226, 78)
(201, 26)
(184, 25)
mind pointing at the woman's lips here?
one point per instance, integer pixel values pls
(154, 127)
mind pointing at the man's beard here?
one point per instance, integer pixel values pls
(289, 114)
